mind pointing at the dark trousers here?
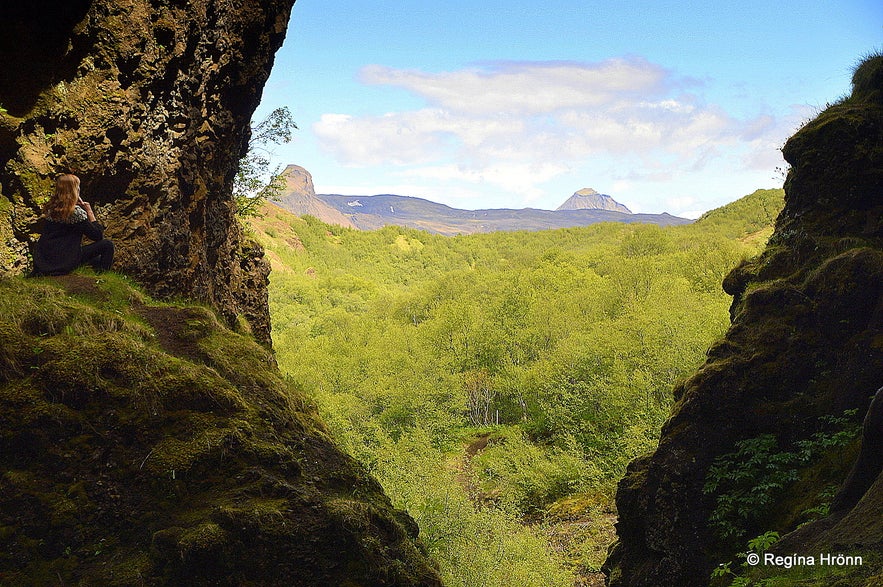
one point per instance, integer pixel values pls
(98, 254)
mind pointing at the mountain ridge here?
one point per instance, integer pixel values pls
(362, 212)
(372, 212)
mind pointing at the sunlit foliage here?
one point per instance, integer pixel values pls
(559, 347)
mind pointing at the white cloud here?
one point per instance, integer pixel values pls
(528, 87)
(513, 178)
(518, 125)
(395, 138)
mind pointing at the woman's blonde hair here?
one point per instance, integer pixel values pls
(62, 203)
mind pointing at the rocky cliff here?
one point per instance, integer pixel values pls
(300, 198)
(149, 103)
(797, 368)
(144, 443)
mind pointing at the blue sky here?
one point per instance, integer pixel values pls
(666, 106)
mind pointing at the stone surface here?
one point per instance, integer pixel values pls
(145, 443)
(806, 342)
(149, 102)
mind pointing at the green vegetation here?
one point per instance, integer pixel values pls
(759, 546)
(789, 569)
(747, 482)
(146, 444)
(498, 384)
(255, 182)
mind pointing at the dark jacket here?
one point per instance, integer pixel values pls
(57, 252)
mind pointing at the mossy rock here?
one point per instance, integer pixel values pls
(127, 464)
(806, 342)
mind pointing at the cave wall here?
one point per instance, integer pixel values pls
(149, 102)
(806, 341)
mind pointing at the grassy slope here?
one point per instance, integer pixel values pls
(147, 444)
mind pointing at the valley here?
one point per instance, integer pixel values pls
(498, 384)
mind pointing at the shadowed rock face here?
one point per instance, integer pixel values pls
(805, 343)
(149, 102)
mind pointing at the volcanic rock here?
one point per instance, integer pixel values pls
(149, 103)
(589, 199)
(300, 198)
(804, 347)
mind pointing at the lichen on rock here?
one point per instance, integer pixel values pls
(804, 344)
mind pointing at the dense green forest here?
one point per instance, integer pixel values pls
(498, 384)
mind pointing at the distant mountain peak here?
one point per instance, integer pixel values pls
(299, 197)
(299, 180)
(589, 199)
(364, 212)
(586, 192)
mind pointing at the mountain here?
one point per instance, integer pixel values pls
(589, 199)
(767, 435)
(585, 207)
(372, 212)
(300, 198)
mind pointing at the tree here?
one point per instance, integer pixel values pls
(255, 183)
(480, 394)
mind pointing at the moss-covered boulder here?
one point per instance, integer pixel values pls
(760, 438)
(147, 444)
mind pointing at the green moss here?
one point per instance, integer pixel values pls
(174, 457)
(236, 357)
(810, 497)
(867, 79)
(254, 513)
(205, 537)
(126, 464)
(131, 571)
(19, 479)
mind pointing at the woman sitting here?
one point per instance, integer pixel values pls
(66, 219)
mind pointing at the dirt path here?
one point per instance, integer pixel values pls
(569, 534)
(171, 326)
